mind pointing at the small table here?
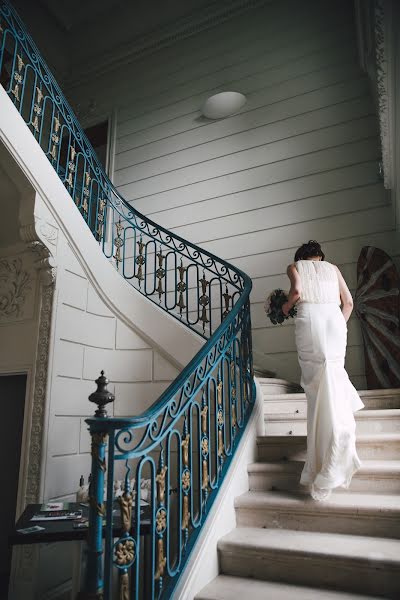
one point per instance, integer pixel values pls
(64, 531)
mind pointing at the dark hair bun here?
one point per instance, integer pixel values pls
(308, 250)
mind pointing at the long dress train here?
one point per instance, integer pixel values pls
(321, 337)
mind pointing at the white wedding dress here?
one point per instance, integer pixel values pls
(321, 337)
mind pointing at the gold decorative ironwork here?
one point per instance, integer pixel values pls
(220, 418)
(205, 476)
(40, 96)
(234, 418)
(53, 151)
(221, 449)
(219, 393)
(160, 274)
(186, 480)
(100, 508)
(204, 300)
(125, 552)
(99, 439)
(57, 124)
(100, 218)
(203, 414)
(185, 512)
(185, 450)
(160, 479)
(204, 445)
(18, 77)
(37, 109)
(20, 63)
(55, 137)
(118, 242)
(227, 298)
(124, 592)
(35, 123)
(140, 261)
(161, 520)
(85, 206)
(181, 287)
(161, 559)
(125, 505)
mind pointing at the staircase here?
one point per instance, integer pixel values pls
(285, 544)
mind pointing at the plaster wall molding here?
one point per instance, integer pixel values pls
(15, 283)
(40, 237)
(383, 57)
(163, 37)
(40, 386)
(374, 23)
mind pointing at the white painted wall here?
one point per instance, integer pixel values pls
(89, 337)
(300, 161)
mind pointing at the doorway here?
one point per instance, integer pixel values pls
(12, 395)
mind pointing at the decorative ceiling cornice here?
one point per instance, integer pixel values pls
(374, 20)
(382, 55)
(163, 37)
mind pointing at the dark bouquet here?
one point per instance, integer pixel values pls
(273, 307)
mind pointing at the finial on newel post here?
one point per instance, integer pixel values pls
(101, 396)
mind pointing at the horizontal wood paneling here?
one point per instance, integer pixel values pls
(299, 161)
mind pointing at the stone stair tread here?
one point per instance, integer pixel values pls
(363, 394)
(225, 587)
(256, 540)
(387, 505)
(299, 439)
(294, 466)
(269, 380)
(365, 413)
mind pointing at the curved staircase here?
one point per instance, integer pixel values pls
(286, 545)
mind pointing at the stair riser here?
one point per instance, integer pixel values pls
(263, 482)
(299, 407)
(298, 426)
(389, 450)
(325, 572)
(275, 389)
(332, 521)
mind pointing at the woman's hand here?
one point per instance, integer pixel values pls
(286, 309)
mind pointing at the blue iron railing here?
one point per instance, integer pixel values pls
(172, 458)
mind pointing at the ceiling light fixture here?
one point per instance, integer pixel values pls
(223, 105)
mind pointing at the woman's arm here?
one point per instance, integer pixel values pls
(345, 296)
(295, 289)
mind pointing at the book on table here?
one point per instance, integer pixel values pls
(56, 511)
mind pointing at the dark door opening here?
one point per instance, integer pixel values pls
(12, 396)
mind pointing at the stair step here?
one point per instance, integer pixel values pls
(225, 587)
(346, 562)
(375, 476)
(274, 386)
(356, 514)
(373, 399)
(367, 421)
(377, 446)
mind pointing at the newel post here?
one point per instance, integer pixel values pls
(94, 582)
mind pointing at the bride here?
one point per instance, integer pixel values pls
(318, 288)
